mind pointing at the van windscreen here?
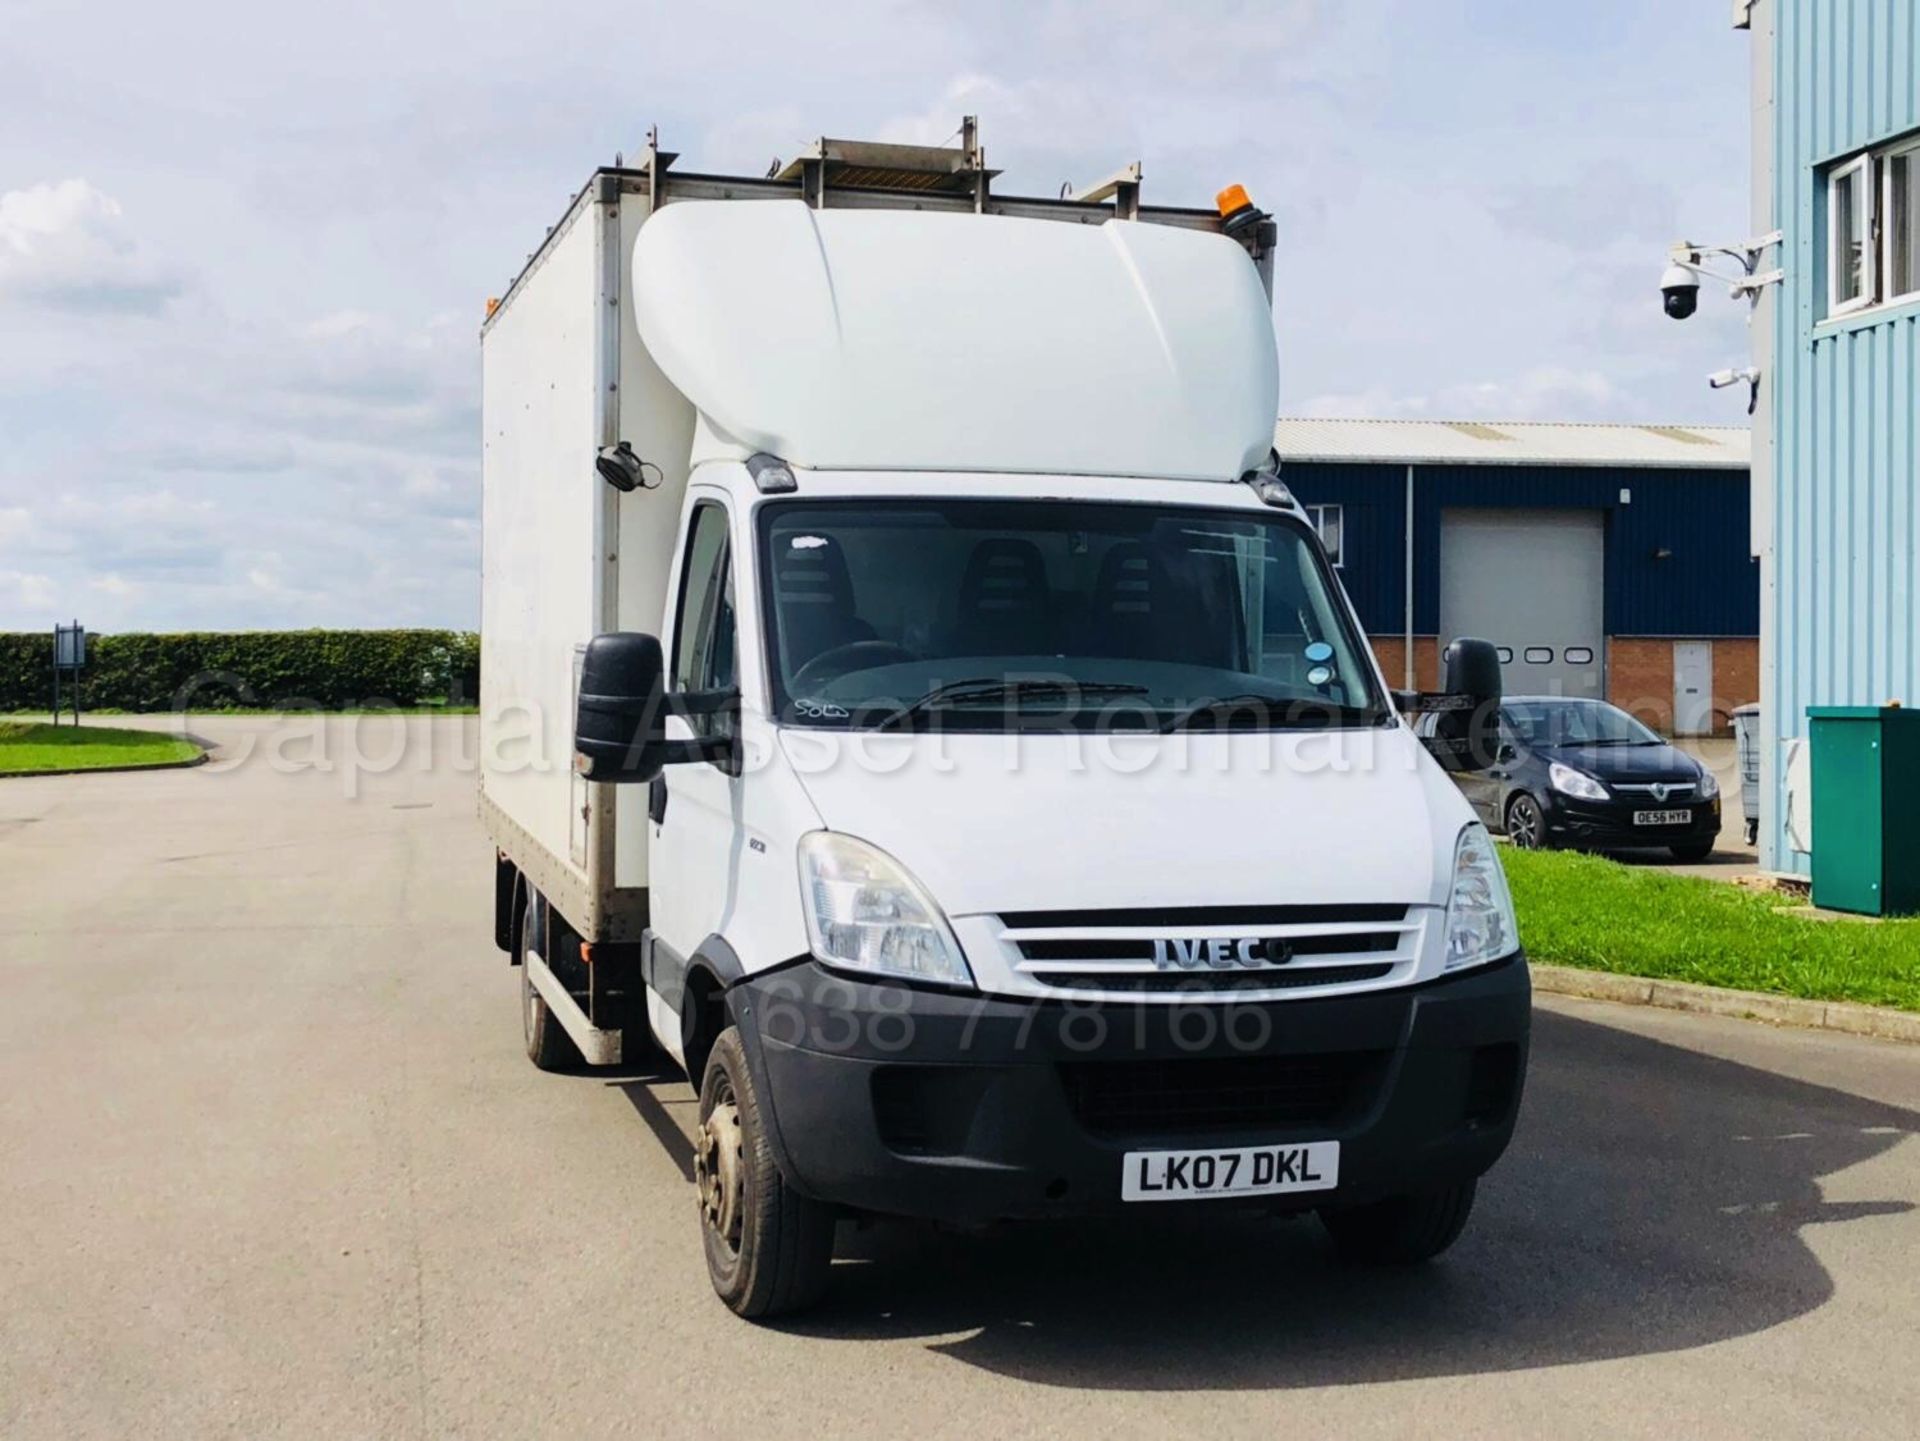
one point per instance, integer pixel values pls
(986, 614)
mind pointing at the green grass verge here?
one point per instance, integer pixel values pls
(1579, 910)
(27, 748)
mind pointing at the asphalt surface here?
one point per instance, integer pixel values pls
(272, 1162)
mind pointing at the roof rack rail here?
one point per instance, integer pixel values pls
(884, 165)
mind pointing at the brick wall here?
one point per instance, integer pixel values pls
(1639, 674)
(1736, 678)
(1640, 678)
(1392, 651)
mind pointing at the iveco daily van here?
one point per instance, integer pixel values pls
(914, 703)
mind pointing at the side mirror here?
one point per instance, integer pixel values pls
(619, 723)
(1473, 669)
(1467, 731)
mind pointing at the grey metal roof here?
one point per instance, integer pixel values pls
(1531, 442)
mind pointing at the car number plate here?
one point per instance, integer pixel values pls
(1242, 1171)
(1662, 818)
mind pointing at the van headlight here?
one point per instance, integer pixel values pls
(1578, 784)
(1480, 921)
(865, 913)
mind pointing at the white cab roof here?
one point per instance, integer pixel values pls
(907, 340)
(1499, 442)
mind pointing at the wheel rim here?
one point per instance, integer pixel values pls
(719, 1170)
(529, 1005)
(1523, 825)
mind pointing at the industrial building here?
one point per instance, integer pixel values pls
(1836, 145)
(1604, 560)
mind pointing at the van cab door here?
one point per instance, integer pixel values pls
(692, 859)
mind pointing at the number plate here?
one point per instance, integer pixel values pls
(1662, 818)
(1244, 1171)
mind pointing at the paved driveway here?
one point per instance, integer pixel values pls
(274, 1165)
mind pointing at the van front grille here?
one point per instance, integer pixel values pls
(1208, 982)
(1165, 951)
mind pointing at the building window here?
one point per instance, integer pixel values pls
(1900, 246)
(1873, 252)
(1850, 236)
(1328, 521)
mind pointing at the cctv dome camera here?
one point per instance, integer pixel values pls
(1680, 288)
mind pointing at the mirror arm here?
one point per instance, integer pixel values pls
(718, 749)
(703, 702)
(1432, 702)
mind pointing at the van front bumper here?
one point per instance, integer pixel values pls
(915, 1102)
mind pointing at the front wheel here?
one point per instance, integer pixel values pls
(1401, 1230)
(768, 1247)
(1526, 825)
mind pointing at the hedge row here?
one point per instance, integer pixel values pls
(212, 671)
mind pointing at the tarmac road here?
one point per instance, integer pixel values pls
(272, 1163)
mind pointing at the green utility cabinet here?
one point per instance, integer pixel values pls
(1866, 809)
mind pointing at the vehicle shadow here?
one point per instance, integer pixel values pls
(642, 1089)
(1653, 1201)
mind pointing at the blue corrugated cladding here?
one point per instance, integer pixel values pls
(1845, 610)
(1705, 585)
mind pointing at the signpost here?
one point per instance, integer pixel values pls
(69, 655)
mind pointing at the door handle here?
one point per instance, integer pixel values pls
(657, 800)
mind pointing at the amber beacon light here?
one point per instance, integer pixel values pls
(1237, 210)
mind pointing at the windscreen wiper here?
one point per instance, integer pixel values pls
(987, 688)
(1306, 714)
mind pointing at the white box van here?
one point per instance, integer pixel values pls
(913, 702)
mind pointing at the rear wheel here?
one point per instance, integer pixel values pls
(1401, 1230)
(1526, 825)
(548, 1045)
(768, 1247)
(1693, 852)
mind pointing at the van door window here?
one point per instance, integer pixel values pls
(705, 635)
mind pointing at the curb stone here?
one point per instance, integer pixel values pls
(200, 759)
(1881, 1022)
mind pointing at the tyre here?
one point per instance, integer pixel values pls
(1753, 833)
(1401, 1230)
(1526, 824)
(1692, 853)
(768, 1247)
(548, 1045)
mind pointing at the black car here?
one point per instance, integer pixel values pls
(1584, 773)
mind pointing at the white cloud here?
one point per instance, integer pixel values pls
(1472, 202)
(29, 594)
(67, 246)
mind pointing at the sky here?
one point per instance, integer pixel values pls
(245, 248)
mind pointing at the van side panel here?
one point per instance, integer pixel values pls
(539, 494)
